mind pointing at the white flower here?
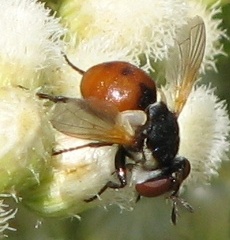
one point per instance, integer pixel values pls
(30, 50)
(112, 30)
(25, 138)
(77, 175)
(147, 27)
(30, 47)
(204, 131)
(30, 43)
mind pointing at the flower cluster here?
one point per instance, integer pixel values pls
(31, 46)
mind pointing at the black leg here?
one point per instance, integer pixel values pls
(176, 200)
(138, 198)
(179, 170)
(93, 144)
(120, 166)
(120, 170)
(54, 99)
(73, 66)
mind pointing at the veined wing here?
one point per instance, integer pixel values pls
(185, 60)
(89, 120)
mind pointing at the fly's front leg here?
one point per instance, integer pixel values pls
(54, 99)
(120, 166)
(180, 171)
(120, 170)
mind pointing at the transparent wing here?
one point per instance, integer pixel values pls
(89, 120)
(185, 60)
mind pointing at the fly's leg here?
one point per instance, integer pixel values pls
(92, 144)
(180, 170)
(73, 66)
(54, 99)
(120, 170)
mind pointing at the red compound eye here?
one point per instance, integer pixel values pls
(120, 83)
(155, 188)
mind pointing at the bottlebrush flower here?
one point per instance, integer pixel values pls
(30, 47)
(148, 27)
(30, 44)
(116, 26)
(100, 31)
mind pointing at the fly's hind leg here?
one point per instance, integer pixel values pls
(120, 170)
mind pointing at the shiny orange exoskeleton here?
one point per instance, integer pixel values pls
(119, 106)
(120, 83)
